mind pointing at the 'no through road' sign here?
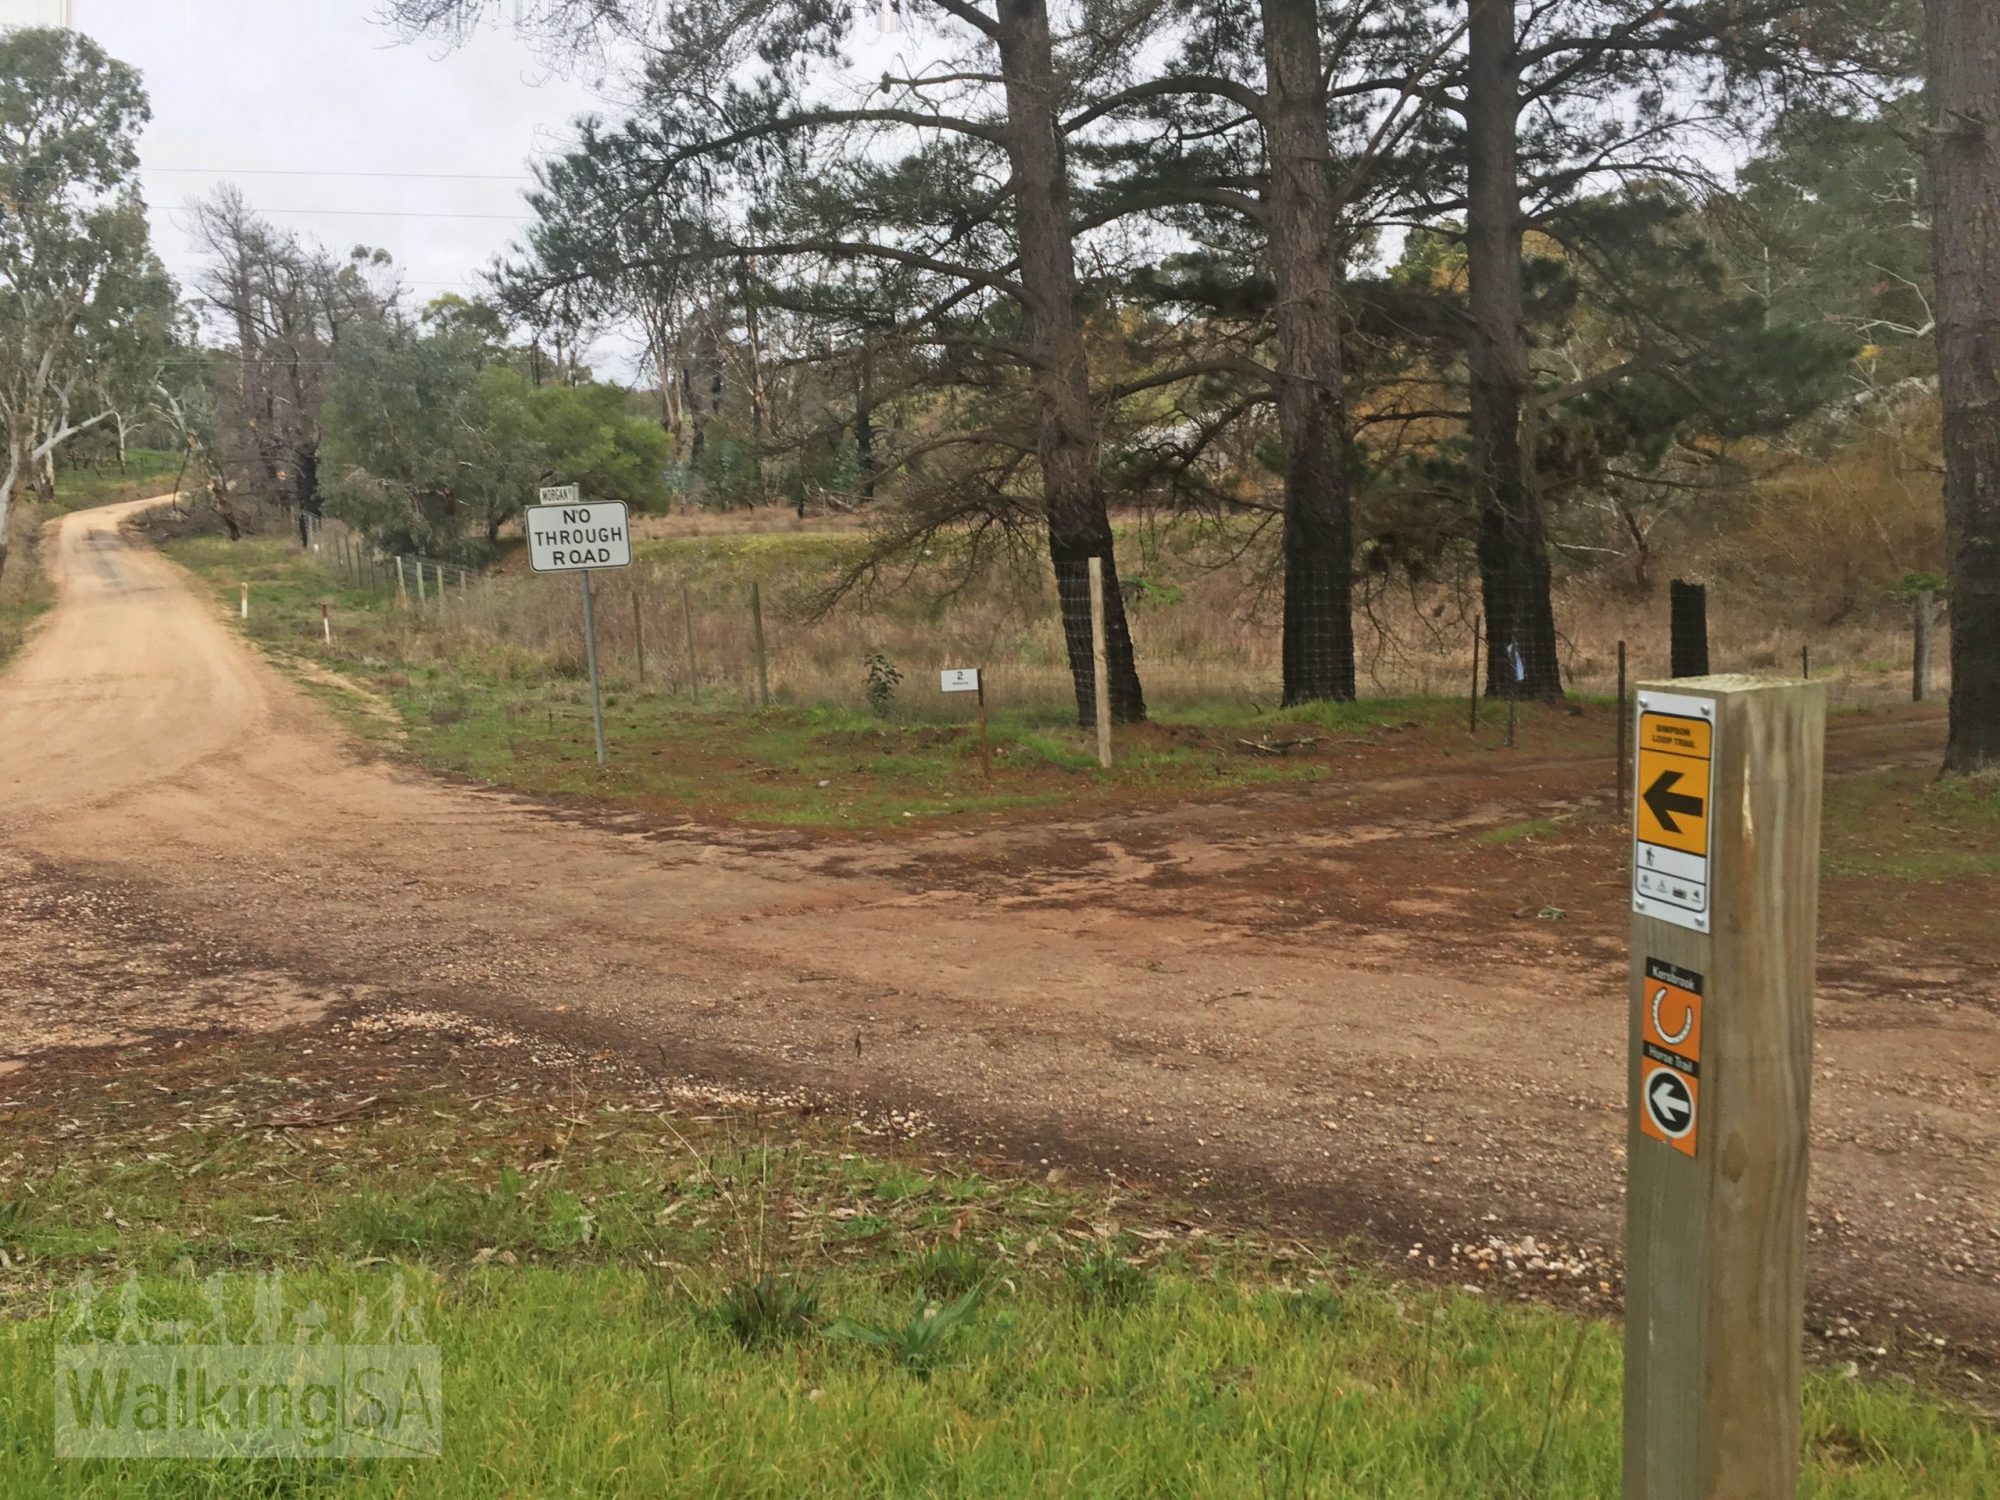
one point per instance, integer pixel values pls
(576, 537)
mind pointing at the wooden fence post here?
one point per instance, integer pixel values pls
(1920, 665)
(985, 747)
(638, 634)
(1688, 626)
(1724, 899)
(1099, 670)
(687, 623)
(757, 645)
(1624, 726)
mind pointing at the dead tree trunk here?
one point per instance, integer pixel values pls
(1079, 524)
(1513, 548)
(1318, 648)
(1965, 183)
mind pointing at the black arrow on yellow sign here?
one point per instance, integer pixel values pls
(1665, 801)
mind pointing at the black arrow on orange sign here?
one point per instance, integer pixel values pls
(1665, 802)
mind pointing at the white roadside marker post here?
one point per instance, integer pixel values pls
(565, 535)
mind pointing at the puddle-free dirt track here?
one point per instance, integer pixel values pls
(1333, 1001)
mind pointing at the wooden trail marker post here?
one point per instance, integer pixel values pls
(1100, 671)
(1725, 887)
(567, 536)
(971, 680)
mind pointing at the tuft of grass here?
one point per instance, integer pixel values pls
(767, 1311)
(1105, 1278)
(1511, 833)
(946, 1270)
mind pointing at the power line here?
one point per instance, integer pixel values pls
(377, 213)
(304, 172)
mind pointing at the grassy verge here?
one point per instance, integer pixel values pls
(460, 705)
(644, 1292)
(1913, 828)
(147, 471)
(25, 590)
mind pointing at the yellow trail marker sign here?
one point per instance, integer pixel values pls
(1671, 814)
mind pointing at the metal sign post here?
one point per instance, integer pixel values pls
(971, 680)
(1725, 886)
(567, 536)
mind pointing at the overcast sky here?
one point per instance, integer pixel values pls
(321, 118)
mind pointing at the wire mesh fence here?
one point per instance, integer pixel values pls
(685, 624)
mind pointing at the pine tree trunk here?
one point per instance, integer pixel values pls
(1513, 548)
(1079, 525)
(1965, 186)
(1318, 650)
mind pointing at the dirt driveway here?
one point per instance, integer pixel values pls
(1339, 1001)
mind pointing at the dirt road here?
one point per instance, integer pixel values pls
(1333, 998)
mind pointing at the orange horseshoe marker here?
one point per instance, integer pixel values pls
(1669, 1101)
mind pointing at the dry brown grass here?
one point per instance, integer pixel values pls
(1210, 638)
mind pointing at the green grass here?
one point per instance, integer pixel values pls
(1510, 833)
(1912, 827)
(147, 471)
(584, 1259)
(496, 717)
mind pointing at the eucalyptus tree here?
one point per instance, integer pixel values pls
(289, 305)
(84, 304)
(731, 90)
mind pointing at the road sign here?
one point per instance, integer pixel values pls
(567, 536)
(575, 537)
(1674, 777)
(1670, 1054)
